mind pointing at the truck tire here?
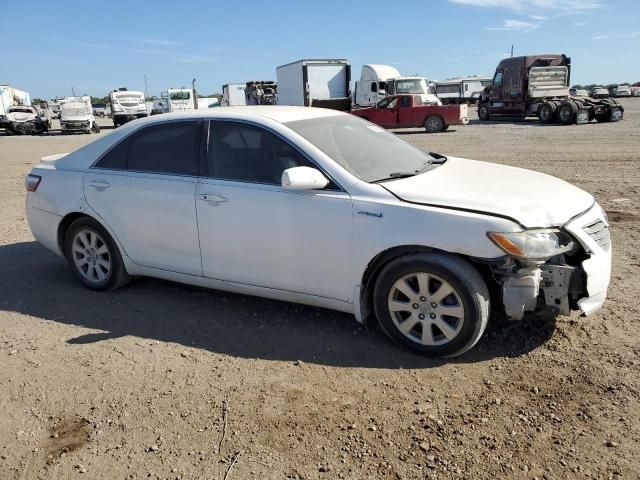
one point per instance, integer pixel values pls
(419, 289)
(567, 112)
(96, 127)
(547, 112)
(434, 124)
(483, 112)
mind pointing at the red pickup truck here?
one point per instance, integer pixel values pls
(407, 111)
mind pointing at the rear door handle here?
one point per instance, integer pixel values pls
(99, 185)
(210, 197)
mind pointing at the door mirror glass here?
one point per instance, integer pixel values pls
(303, 178)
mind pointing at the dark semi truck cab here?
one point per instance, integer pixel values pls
(538, 85)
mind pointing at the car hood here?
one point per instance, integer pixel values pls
(21, 117)
(75, 118)
(530, 198)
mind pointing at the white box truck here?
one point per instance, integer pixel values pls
(462, 89)
(127, 105)
(315, 83)
(10, 97)
(233, 94)
(181, 100)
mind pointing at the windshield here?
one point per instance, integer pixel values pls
(417, 85)
(180, 95)
(365, 150)
(72, 109)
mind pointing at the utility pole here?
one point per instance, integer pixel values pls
(512, 50)
(146, 89)
(195, 95)
(73, 91)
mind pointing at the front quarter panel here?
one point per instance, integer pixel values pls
(379, 226)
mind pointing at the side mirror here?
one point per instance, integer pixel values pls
(303, 178)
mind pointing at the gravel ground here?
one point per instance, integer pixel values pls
(164, 381)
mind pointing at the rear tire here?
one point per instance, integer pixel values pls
(483, 112)
(434, 124)
(93, 256)
(442, 297)
(547, 112)
(567, 113)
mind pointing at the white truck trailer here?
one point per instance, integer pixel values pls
(462, 89)
(9, 97)
(315, 83)
(127, 105)
(233, 94)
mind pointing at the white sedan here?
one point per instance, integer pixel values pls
(320, 207)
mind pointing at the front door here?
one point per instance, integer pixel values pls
(254, 232)
(386, 113)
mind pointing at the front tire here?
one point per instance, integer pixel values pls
(483, 112)
(434, 304)
(93, 256)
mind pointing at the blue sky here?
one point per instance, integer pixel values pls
(47, 46)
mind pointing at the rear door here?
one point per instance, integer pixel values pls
(144, 190)
(327, 81)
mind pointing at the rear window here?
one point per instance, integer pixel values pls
(170, 148)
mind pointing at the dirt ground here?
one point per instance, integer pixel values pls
(159, 380)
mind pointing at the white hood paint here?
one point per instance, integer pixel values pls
(531, 198)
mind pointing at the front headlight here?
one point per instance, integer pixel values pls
(117, 108)
(539, 244)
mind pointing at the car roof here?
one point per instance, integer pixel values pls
(278, 113)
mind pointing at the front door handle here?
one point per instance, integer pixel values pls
(212, 198)
(99, 185)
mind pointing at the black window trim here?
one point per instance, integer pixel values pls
(137, 131)
(204, 174)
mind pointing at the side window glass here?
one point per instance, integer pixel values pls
(166, 148)
(246, 153)
(116, 158)
(405, 101)
(497, 80)
(393, 103)
(374, 87)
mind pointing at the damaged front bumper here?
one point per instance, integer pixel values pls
(577, 280)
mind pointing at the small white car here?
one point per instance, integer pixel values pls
(320, 207)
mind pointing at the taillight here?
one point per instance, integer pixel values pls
(31, 182)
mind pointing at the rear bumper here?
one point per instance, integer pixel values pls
(44, 227)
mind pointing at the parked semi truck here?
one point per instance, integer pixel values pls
(538, 85)
(379, 81)
(315, 83)
(126, 105)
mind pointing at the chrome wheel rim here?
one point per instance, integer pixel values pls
(91, 256)
(426, 309)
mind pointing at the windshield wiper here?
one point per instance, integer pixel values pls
(438, 160)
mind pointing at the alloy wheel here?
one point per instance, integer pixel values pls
(426, 309)
(91, 256)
